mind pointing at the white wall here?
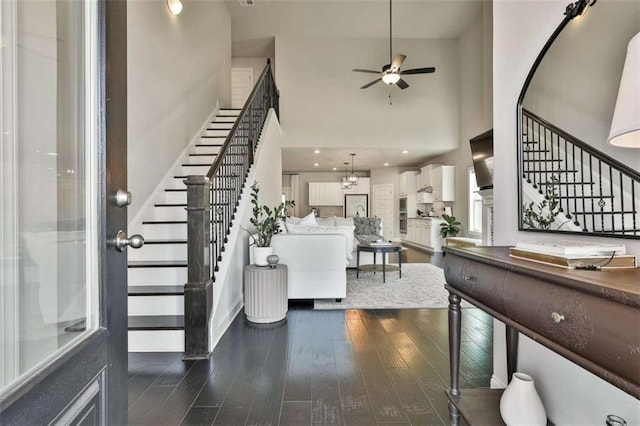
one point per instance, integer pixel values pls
(571, 395)
(476, 114)
(257, 64)
(322, 103)
(178, 71)
(228, 287)
(576, 88)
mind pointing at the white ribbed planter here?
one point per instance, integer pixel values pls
(265, 293)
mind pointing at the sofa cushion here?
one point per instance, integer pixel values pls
(309, 219)
(344, 221)
(326, 221)
(369, 238)
(367, 225)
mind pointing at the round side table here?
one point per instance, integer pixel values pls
(266, 294)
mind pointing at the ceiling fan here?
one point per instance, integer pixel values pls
(391, 73)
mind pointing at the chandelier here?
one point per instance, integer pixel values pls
(353, 178)
(346, 184)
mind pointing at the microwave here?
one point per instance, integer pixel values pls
(403, 204)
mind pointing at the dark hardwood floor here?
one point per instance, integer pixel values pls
(354, 367)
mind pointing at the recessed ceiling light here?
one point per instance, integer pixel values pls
(386, 164)
(316, 164)
(335, 168)
(405, 152)
(317, 151)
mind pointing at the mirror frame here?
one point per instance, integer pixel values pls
(572, 11)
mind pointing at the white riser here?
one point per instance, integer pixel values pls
(226, 120)
(206, 149)
(173, 197)
(234, 112)
(157, 276)
(155, 305)
(170, 213)
(215, 133)
(193, 170)
(220, 125)
(159, 252)
(174, 183)
(174, 231)
(200, 159)
(156, 341)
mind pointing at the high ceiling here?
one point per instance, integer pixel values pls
(254, 29)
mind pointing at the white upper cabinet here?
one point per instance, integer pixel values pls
(408, 183)
(424, 178)
(443, 183)
(325, 194)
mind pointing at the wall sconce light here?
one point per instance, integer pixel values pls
(625, 125)
(175, 6)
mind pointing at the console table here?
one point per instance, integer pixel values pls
(589, 317)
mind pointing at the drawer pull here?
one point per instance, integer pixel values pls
(556, 317)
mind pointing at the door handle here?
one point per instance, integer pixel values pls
(120, 242)
(123, 198)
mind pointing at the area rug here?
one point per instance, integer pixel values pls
(421, 286)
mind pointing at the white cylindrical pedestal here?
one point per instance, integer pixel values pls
(265, 293)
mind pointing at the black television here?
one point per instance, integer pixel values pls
(482, 156)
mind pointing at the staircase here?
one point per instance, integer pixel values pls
(158, 271)
(592, 192)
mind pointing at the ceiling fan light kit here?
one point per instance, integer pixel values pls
(391, 73)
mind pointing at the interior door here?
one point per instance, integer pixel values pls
(383, 208)
(241, 86)
(63, 358)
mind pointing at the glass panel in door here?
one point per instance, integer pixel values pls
(49, 288)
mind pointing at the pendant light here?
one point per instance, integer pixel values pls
(353, 178)
(345, 179)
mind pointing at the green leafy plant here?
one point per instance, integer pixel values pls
(265, 219)
(450, 228)
(543, 214)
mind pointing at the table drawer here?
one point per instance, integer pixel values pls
(602, 331)
(482, 282)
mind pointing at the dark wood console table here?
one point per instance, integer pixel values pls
(589, 317)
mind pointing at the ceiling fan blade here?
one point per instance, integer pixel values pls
(371, 84)
(402, 84)
(420, 71)
(397, 61)
(367, 71)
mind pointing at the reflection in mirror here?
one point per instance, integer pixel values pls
(573, 180)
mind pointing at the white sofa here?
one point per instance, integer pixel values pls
(317, 256)
(315, 263)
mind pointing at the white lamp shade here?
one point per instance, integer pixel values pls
(391, 78)
(625, 125)
(175, 6)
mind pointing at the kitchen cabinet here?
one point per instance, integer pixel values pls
(443, 183)
(424, 178)
(408, 183)
(424, 197)
(325, 194)
(425, 233)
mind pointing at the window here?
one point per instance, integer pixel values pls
(475, 205)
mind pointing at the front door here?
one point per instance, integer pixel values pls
(63, 154)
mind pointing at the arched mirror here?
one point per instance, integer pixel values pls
(572, 179)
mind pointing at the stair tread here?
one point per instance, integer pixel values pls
(196, 165)
(157, 264)
(165, 241)
(209, 144)
(202, 155)
(164, 222)
(156, 322)
(155, 290)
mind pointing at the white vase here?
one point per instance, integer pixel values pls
(260, 255)
(520, 404)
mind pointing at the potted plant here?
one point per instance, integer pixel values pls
(265, 221)
(450, 228)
